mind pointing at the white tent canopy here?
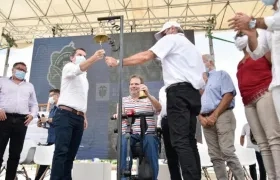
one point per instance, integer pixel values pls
(25, 20)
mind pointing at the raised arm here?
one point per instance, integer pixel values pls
(271, 23)
(258, 46)
(71, 70)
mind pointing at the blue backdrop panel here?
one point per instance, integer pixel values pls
(51, 54)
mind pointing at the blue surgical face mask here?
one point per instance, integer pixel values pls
(20, 74)
(268, 2)
(80, 59)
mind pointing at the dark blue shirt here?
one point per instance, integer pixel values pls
(51, 133)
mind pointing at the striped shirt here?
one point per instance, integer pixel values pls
(139, 105)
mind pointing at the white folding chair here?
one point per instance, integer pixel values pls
(44, 156)
(247, 157)
(5, 159)
(27, 156)
(205, 159)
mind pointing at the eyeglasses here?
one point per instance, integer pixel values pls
(20, 69)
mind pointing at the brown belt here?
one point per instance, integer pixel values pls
(79, 113)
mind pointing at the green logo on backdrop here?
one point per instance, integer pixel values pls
(58, 60)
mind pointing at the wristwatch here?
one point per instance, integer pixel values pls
(252, 24)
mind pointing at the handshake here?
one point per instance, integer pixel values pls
(110, 61)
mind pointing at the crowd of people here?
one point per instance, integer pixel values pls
(193, 90)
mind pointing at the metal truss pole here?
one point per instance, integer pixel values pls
(211, 47)
(120, 90)
(120, 100)
(7, 62)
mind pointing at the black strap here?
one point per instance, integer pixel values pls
(143, 127)
(159, 134)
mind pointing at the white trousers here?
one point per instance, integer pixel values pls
(276, 99)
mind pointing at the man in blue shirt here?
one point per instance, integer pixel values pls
(218, 121)
(53, 98)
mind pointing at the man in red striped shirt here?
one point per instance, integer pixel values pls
(149, 104)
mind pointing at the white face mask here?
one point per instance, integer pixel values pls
(79, 59)
(241, 42)
(51, 100)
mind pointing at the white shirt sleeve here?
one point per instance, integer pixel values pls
(163, 47)
(263, 46)
(33, 103)
(273, 22)
(71, 70)
(160, 94)
(243, 132)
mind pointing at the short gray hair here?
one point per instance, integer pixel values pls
(209, 57)
(179, 30)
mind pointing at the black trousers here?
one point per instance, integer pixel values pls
(253, 171)
(171, 155)
(183, 105)
(13, 129)
(42, 168)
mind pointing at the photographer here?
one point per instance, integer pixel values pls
(47, 123)
(150, 142)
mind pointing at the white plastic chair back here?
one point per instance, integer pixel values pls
(202, 146)
(5, 156)
(44, 155)
(246, 156)
(204, 156)
(28, 151)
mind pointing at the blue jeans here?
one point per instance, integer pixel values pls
(150, 149)
(69, 129)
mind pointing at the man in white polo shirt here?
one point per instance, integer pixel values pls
(70, 119)
(182, 68)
